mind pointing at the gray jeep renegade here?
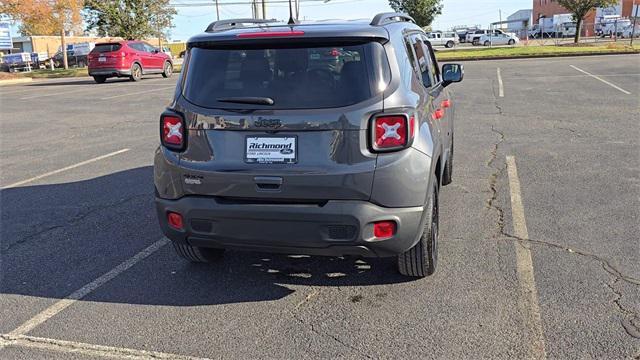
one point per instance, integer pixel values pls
(326, 138)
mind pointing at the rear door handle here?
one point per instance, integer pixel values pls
(268, 183)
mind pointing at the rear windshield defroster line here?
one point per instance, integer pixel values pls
(294, 77)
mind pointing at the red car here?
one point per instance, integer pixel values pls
(127, 59)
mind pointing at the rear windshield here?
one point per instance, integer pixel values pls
(102, 48)
(293, 77)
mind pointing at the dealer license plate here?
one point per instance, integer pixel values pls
(271, 150)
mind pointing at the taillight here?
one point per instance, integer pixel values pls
(172, 131)
(384, 229)
(334, 52)
(175, 220)
(391, 132)
(263, 34)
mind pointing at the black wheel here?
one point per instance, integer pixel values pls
(447, 177)
(168, 69)
(421, 260)
(476, 42)
(487, 43)
(198, 254)
(450, 44)
(100, 79)
(136, 72)
(511, 42)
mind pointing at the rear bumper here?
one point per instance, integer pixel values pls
(334, 229)
(109, 72)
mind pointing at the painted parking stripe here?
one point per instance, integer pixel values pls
(601, 79)
(139, 92)
(60, 305)
(500, 84)
(91, 350)
(26, 181)
(52, 94)
(524, 264)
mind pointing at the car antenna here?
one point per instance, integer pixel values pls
(291, 20)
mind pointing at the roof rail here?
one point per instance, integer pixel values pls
(227, 24)
(385, 18)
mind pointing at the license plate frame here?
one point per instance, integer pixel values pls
(271, 156)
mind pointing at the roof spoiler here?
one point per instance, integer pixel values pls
(222, 25)
(390, 17)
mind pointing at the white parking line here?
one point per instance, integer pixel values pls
(500, 85)
(524, 264)
(64, 169)
(54, 309)
(139, 92)
(90, 350)
(52, 94)
(601, 79)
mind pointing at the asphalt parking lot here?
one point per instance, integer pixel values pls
(539, 250)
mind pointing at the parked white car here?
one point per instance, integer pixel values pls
(499, 39)
(446, 39)
(628, 31)
(474, 37)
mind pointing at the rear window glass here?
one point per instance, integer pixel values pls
(294, 77)
(102, 48)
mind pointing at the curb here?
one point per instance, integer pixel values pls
(516, 57)
(15, 81)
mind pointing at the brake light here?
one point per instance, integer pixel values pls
(384, 229)
(175, 220)
(391, 132)
(172, 131)
(261, 34)
(334, 52)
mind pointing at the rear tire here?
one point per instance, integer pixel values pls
(136, 72)
(421, 260)
(99, 79)
(198, 254)
(168, 70)
(450, 44)
(447, 177)
(487, 43)
(511, 42)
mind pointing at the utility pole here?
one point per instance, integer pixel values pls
(217, 11)
(264, 9)
(63, 41)
(500, 17)
(635, 18)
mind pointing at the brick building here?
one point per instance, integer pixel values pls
(548, 8)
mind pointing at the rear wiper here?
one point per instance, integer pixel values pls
(247, 100)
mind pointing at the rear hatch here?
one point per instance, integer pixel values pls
(281, 120)
(108, 55)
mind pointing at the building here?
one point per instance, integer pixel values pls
(548, 8)
(520, 21)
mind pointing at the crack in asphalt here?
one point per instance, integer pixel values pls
(70, 222)
(330, 336)
(629, 317)
(296, 316)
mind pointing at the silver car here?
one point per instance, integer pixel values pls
(329, 138)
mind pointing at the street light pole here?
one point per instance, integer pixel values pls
(264, 9)
(635, 18)
(217, 11)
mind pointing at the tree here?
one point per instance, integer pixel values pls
(422, 11)
(580, 8)
(129, 19)
(45, 17)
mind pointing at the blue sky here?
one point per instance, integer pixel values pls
(190, 21)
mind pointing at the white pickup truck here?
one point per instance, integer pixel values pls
(446, 39)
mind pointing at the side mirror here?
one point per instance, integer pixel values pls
(452, 73)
